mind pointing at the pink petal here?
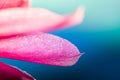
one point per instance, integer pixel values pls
(13, 3)
(40, 48)
(8, 72)
(24, 20)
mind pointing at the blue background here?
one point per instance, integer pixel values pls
(98, 37)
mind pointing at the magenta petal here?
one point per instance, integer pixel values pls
(24, 20)
(40, 48)
(13, 3)
(8, 72)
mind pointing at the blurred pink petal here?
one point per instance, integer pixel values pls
(16, 21)
(40, 48)
(8, 72)
(13, 3)
(25, 20)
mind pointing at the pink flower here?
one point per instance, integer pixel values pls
(22, 37)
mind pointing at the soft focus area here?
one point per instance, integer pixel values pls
(98, 37)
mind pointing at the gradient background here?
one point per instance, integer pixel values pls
(98, 37)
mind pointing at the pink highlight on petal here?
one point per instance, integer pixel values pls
(24, 20)
(40, 48)
(8, 72)
(13, 3)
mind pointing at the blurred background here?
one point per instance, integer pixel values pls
(98, 37)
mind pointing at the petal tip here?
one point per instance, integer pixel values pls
(76, 18)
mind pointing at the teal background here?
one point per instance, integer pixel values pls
(98, 37)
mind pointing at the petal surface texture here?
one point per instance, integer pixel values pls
(40, 48)
(13, 3)
(24, 20)
(8, 72)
